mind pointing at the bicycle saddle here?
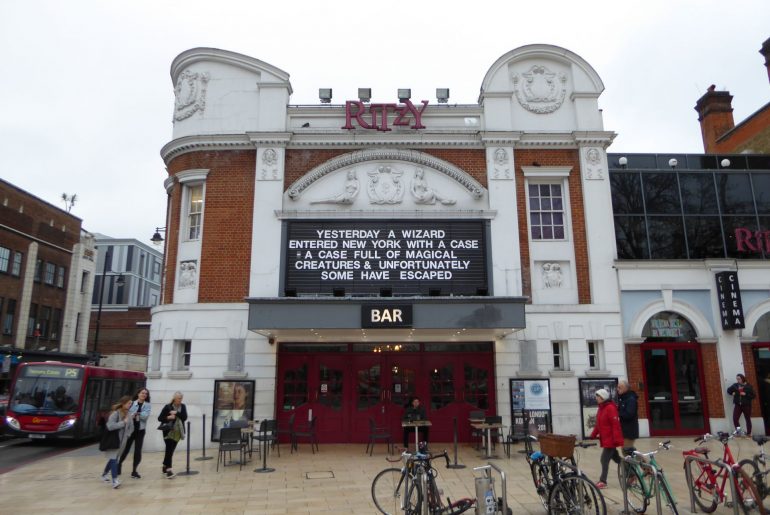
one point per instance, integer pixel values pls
(761, 440)
(702, 450)
(628, 451)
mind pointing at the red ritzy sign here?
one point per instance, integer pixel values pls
(375, 116)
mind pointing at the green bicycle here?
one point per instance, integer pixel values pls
(642, 477)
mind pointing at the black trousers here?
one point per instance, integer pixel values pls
(409, 435)
(137, 438)
(745, 410)
(608, 453)
(170, 448)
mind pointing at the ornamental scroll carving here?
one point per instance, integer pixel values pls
(190, 94)
(540, 90)
(474, 188)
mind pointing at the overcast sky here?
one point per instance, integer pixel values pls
(86, 98)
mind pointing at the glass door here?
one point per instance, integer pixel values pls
(328, 383)
(762, 364)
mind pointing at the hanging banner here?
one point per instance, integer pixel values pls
(729, 298)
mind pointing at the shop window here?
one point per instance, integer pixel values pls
(295, 388)
(560, 355)
(546, 211)
(157, 346)
(476, 386)
(50, 273)
(194, 211)
(5, 259)
(182, 350)
(442, 387)
(595, 355)
(16, 265)
(668, 326)
(762, 329)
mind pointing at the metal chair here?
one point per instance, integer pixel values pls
(267, 435)
(287, 430)
(378, 433)
(306, 432)
(230, 440)
(477, 433)
(494, 434)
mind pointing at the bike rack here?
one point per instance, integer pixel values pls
(718, 463)
(643, 464)
(488, 475)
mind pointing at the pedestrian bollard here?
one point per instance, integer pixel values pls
(188, 472)
(203, 446)
(455, 465)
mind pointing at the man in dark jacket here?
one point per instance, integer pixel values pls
(627, 412)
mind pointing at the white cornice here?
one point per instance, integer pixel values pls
(275, 139)
(500, 138)
(546, 171)
(192, 175)
(196, 143)
(365, 138)
(359, 214)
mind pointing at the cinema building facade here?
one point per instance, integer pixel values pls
(339, 259)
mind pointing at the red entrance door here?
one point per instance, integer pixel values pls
(673, 389)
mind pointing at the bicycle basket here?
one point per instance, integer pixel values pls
(557, 446)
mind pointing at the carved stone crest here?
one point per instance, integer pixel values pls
(501, 164)
(552, 277)
(593, 164)
(188, 274)
(540, 90)
(385, 186)
(190, 93)
(268, 171)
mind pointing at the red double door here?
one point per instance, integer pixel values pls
(344, 391)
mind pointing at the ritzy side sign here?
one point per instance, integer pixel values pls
(375, 116)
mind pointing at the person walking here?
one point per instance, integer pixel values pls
(119, 420)
(140, 412)
(608, 430)
(628, 413)
(743, 394)
(176, 413)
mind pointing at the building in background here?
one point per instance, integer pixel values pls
(128, 274)
(46, 281)
(720, 134)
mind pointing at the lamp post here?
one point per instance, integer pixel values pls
(120, 281)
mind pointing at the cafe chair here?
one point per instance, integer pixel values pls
(268, 435)
(477, 434)
(287, 430)
(305, 432)
(495, 434)
(378, 433)
(230, 440)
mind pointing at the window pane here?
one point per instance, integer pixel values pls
(5, 257)
(734, 192)
(545, 190)
(536, 233)
(698, 193)
(558, 233)
(626, 193)
(704, 237)
(761, 183)
(557, 204)
(545, 204)
(660, 193)
(666, 237)
(547, 233)
(739, 234)
(534, 203)
(533, 190)
(535, 218)
(631, 237)
(16, 266)
(556, 190)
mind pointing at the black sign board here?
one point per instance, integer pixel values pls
(386, 258)
(386, 315)
(729, 298)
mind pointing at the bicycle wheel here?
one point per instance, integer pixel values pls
(458, 507)
(637, 500)
(746, 494)
(576, 494)
(667, 501)
(542, 481)
(414, 499)
(387, 489)
(751, 470)
(703, 486)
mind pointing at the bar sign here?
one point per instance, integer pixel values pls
(729, 297)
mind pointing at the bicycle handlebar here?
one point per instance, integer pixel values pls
(585, 445)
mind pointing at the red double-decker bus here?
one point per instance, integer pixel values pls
(55, 400)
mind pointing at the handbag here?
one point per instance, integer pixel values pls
(110, 440)
(166, 426)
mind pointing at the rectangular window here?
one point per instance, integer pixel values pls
(77, 328)
(60, 273)
(5, 259)
(10, 312)
(50, 273)
(560, 355)
(56, 324)
(38, 270)
(595, 355)
(182, 354)
(194, 211)
(157, 345)
(83, 282)
(546, 211)
(16, 266)
(32, 321)
(44, 320)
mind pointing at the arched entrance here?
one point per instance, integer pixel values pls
(673, 378)
(761, 351)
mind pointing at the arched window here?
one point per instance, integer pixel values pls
(762, 329)
(668, 326)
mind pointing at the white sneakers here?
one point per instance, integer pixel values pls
(116, 483)
(106, 478)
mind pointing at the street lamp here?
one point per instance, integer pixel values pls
(157, 239)
(120, 281)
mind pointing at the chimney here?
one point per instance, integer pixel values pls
(715, 114)
(765, 51)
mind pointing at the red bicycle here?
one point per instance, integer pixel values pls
(708, 478)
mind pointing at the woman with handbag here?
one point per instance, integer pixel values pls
(140, 412)
(118, 428)
(172, 418)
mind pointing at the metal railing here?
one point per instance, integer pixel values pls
(718, 463)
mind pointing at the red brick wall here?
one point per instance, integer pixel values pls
(634, 366)
(751, 134)
(119, 332)
(713, 386)
(750, 371)
(227, 223)
(554, 158)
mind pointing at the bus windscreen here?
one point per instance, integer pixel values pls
(44, 389)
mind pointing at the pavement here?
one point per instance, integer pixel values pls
(337, 480)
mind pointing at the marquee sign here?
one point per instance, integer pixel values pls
(386, 257)
(729, 297)
(375, 116)
(386, 315)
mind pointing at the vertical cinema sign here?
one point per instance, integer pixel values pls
(729, 297)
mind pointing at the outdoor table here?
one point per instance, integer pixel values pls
(247, 434)
(488, 442)
(416, 424)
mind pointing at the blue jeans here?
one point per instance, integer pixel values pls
(112, 467)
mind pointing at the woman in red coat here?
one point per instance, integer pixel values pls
(608, 430)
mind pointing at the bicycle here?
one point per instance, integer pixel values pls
(560, 484)
(707, 483)
(642, 478)
(401, 489)
(757, 469)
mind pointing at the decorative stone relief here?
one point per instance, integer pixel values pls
(552, 277)
(501, 165)
(190, 93)
(188, 274)
(268, 167)
(593, 164)
(348, 194)
(424, 194)
(385, 186)
(540, 90)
